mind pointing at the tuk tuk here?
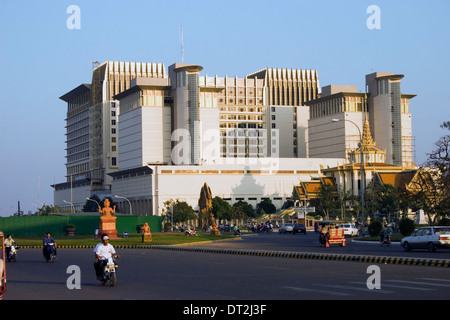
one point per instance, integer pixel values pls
(2, 267)
(329, 234)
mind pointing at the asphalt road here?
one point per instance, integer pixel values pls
(154, 274)
(310, 243)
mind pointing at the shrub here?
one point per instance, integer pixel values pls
(375, 227)
(406, 226)
(444, 222)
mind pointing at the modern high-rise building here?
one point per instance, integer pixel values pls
(150, 136)
(92, 129)
(390, 119)
(179, 117)
(337, 119)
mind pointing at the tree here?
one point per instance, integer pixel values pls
(388, 200)
(347, 197)
(222, 210)
(238, 213)
(182, 212)
(406, 226)
(47, 210)
(288, 204)
(375, 227)
(265, 207)
(439, 161)
(246, 207)
(91, 206)
(430, 191)
(327, 200)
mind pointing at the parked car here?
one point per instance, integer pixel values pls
(350, 229)
(299, 228)
(427, 238)
(286, 227)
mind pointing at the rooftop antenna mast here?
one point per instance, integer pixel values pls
(182, 48)
(95, 64)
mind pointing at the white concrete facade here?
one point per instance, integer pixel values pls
(250, 180)
(145, 134)
(155, 136)
(72, 196)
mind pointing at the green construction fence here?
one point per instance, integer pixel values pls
(30, 226)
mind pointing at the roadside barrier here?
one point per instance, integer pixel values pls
(445, 263)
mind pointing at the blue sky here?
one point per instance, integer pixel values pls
(41, 59)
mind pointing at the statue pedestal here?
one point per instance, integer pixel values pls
(147, 237)
(108, 226)
(215, 233)
(420, 217)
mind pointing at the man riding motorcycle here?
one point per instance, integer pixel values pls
(103, 251)
(49, 246)
(8, 243)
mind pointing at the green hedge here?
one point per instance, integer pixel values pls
(29, 226)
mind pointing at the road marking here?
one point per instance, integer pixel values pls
(334, 293)
(397, 286)
(422, 283)
(354, 288)
(276, 268)
(434, 279)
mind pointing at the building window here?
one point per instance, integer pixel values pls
(113, 161)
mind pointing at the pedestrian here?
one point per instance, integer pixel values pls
(382, 233)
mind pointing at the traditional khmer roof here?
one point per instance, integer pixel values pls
(368, 146)
(311, 189)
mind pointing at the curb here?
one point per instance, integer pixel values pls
(444, 263)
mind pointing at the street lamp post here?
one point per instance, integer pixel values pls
(89, 199)
(71, 204)
(131, 208)
(361, 170)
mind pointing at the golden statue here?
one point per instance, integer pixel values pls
(205, 204)
(107, 211)
(108, 220)
(146, 235)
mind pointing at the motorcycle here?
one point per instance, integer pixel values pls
(386, 241)
(50, 255)
(109, 273)
(237, 232)
(190, 232)
(13, 253)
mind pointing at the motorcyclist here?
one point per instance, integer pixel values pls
(8, 243)
(323, 235)
(389, 232)
(236, 230)
(49, 245)
(103, 251)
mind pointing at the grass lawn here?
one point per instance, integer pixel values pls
(159, 238)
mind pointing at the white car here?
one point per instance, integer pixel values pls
(286, 227)
(350, 229)
(427, 238)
